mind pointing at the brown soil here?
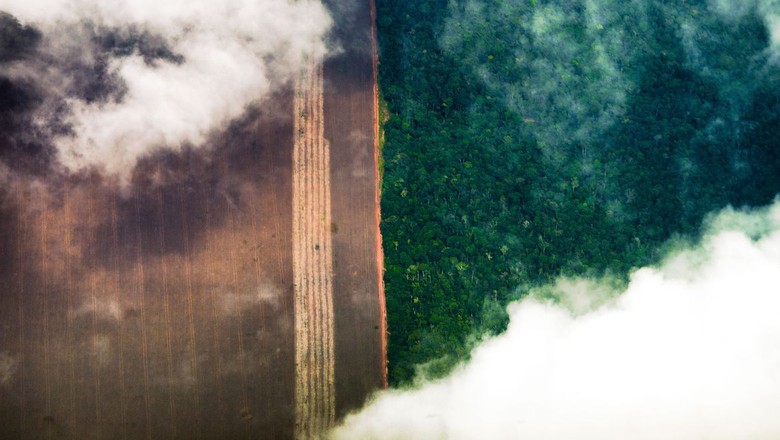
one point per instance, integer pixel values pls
(350, 126)
(165, 313)
(167, 310)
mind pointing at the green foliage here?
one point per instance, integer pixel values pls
(646, 120)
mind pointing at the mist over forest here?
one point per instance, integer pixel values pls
(533, 139)
(688, 349)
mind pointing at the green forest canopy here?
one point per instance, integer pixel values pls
(526, 140)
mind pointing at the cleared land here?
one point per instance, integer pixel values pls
(164, 314)
(350, 117)
(175, 309)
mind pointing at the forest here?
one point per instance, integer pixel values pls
(531, 139)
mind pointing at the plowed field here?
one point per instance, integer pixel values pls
(229, 292)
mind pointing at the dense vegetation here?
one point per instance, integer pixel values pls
(536, 138)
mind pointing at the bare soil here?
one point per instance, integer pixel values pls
(166, 310)
(164, 313)
(350, 121)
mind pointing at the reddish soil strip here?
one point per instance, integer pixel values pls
(380, 258)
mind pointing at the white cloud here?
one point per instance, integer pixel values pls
(690, 350)
(8, 365)
(235, 52)
(101, 349)
(4, 175)
(109, 310)
(266, 294)
(768, 10)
